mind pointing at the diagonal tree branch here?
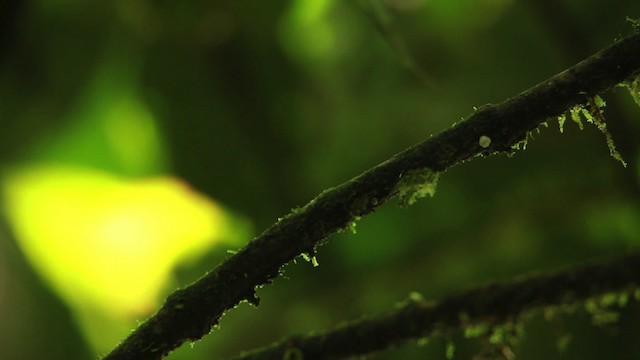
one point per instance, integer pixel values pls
(188, 314)
(488, 305)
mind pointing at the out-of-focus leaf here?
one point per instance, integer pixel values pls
(107, 245)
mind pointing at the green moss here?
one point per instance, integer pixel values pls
(416, 184)
(497, 336)
(352, 225)
(635, 24)
(633, 86)
(619, 299)
(475, 331)
(293, 212)
(575, 116)
(599, 101)
(562, 343)
(451, 350)
(593, 114)
(609, 299)
(416, 296)
(293, 354)
(605, 317)
(604, 308)
(310, 258)
(413, 298)
(623, 299)
(521, 145)
(561, 120)
(508, 333)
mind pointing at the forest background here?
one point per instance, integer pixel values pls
(260, 106)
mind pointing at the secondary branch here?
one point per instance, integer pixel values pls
(488, 305)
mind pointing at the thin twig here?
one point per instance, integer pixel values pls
(190, 313)
(488, 306)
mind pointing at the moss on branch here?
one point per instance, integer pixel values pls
(190, 313)
(476, 311)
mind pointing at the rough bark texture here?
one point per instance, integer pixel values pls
(190, 313)
(489, 305)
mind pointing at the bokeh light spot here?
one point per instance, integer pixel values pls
(107, 240)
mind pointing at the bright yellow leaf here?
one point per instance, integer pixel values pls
(108, 244)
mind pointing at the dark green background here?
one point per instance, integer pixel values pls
(262, 130)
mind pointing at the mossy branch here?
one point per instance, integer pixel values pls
(190, 313)
(484, 307)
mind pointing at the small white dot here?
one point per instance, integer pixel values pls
(484, 141)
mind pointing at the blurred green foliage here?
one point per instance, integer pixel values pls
(262, 105)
